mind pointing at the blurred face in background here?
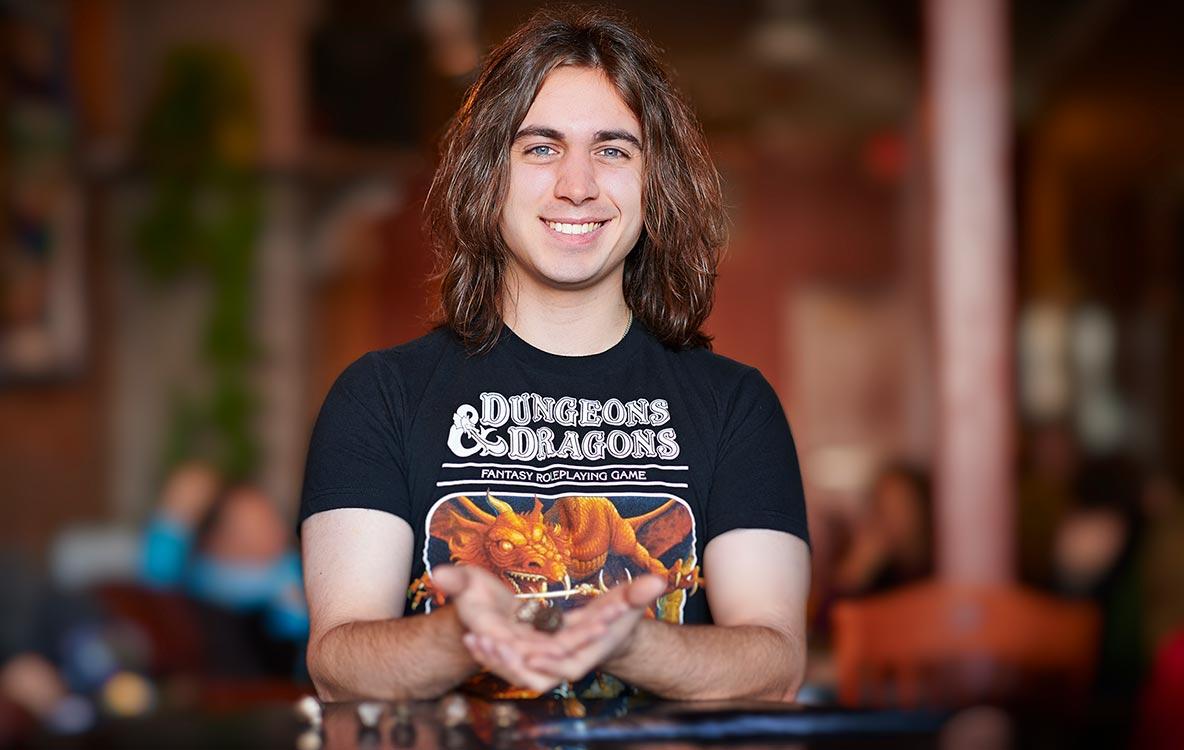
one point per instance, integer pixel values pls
(899, 512)
(1087, 546)
(248, 530)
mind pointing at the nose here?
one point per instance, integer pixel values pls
(576, 181)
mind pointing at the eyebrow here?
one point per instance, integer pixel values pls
(616, 135)
(600, 136)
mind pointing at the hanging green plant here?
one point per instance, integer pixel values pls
(199, 146)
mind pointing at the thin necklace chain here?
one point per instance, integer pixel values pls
(628, 325)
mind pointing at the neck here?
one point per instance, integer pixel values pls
(571, 324)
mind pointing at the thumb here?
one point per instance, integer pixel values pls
(451, 579)
(644, 590)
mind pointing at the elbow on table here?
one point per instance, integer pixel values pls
(328, 659)
(324, 659)
(317, 661)
(790, 694)
(795, 668)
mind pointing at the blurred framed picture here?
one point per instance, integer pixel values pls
(42, 331)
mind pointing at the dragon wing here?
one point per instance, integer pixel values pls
(664, 527)
(658, 530)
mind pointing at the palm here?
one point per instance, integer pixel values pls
(526, 657)
(484, 605)
(597, 632)
(494, 638)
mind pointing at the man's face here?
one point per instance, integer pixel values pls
(573, 209)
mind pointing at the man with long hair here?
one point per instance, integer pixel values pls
(573, 491)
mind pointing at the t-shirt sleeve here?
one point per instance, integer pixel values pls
(757, 482)
(355, 455)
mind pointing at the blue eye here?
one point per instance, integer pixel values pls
(613, 152)
(541, 150)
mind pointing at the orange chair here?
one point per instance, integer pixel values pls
(938, 645)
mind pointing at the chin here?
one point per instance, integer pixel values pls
(572, 278)
(570, 284)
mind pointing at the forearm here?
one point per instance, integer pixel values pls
(704, 662)
(400, 659)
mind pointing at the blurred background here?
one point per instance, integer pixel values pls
(210, 207)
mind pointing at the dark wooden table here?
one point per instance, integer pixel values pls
(553, 724)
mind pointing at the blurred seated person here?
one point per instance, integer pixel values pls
(1161, 561)
(892, 543)
(1049, 465)
(33, 627)
(1095, 555)
(59, 651)
(226, 546)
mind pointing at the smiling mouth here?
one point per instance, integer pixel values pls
(575, 229)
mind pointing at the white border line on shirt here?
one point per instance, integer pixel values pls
(562, 466)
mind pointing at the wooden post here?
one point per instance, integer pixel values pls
(972, 232)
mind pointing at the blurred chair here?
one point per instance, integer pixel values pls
(88, 555)
(938, 645)
(183, 644)
(168, 621)
(1161, 710)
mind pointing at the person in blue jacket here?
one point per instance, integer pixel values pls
(227, 547)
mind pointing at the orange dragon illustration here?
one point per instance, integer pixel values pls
(568, 551)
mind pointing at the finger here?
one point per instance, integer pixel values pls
(567, 669)
(505, 659)
(455, 579)
(513, 667)
(499, 627)
(572, 639)
(605, 608)
(601, 612)
(495, 657)
(636, 594)
(451, 579)
(642, 592)
(473, 644)
(506, 653)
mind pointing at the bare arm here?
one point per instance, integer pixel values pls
(758, 582)
(712, 662)
(757, 585)
(357, 565)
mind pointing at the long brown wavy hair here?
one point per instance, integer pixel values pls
(669, 279)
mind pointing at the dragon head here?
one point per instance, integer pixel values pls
(529, 555)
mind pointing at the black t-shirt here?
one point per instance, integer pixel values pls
(559, 474)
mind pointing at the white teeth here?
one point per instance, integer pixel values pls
(575, 228)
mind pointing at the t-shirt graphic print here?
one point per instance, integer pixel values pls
(566, 549)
